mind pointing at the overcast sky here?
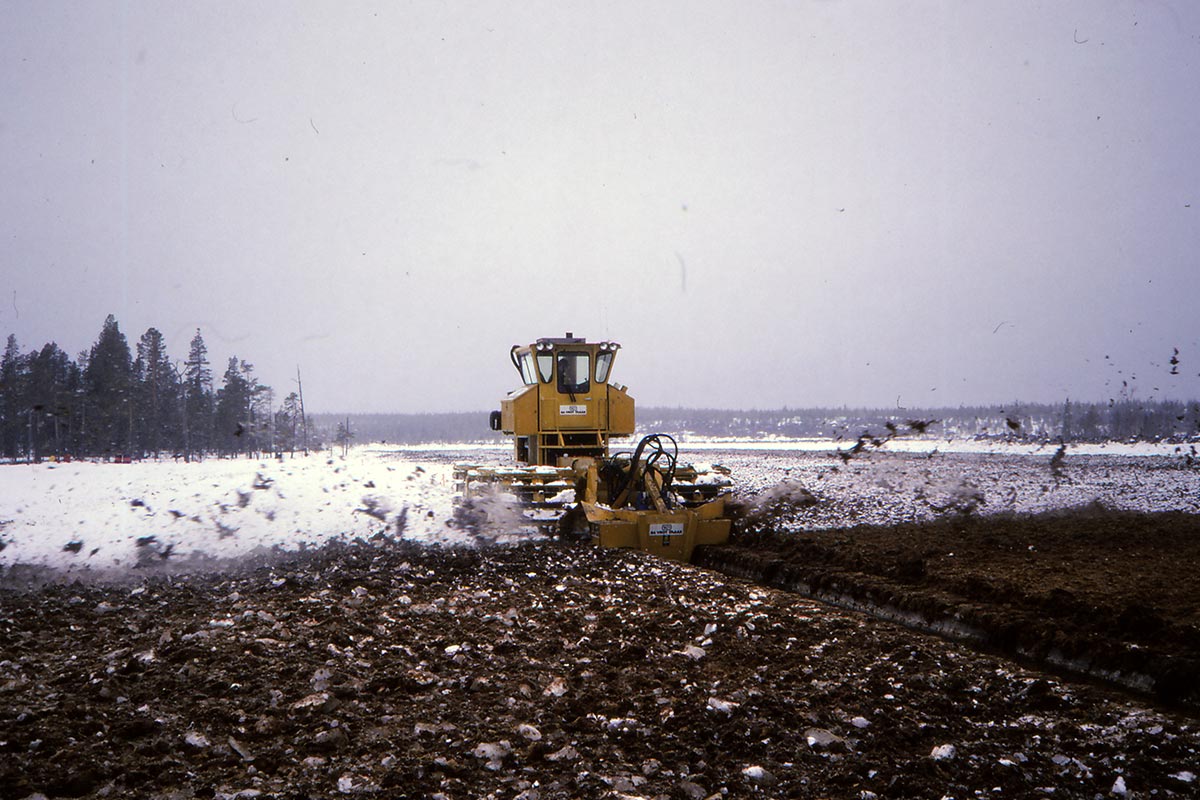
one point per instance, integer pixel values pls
(767, 204)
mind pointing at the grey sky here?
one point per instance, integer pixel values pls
(768, 204)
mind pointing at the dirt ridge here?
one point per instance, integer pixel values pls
(1098, 617)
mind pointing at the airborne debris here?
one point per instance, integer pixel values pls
(1058, 463)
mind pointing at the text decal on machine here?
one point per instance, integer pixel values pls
(666, 530)
(572, 411)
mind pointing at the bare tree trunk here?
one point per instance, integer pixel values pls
(303, 419)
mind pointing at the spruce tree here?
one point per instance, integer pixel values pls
(54, 383)
(198, 397)
(12, 400)
(109, 385)
(156, 396)
(232, 419)
(287, 423)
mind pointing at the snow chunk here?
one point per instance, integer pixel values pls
(725, 707)
(759, 776)
(567, 753)
(622, 725)
(354, 784)
(196, 740)
(821, 739)
(493, 753)
(944, 752)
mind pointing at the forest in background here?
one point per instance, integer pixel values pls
(1119, 420)
(114, 402)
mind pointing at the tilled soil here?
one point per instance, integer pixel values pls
(1109, 594)
(538, 671)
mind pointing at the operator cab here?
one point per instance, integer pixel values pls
(566, 406)
(567, 362)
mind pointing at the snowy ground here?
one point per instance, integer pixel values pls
(99, 516)
(86, 515)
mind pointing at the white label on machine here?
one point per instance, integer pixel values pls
(666, 529)
(573, 411)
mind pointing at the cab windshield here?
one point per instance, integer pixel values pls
(545, 364)
(574, 370)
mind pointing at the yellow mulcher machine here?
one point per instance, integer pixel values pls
(562, 418)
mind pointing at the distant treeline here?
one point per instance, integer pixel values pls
(1123, 420)
(454, 426)
(109, 402)
(1117, 420)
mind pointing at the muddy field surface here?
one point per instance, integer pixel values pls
(1083, 563)
(537, 671)
(1108, 594)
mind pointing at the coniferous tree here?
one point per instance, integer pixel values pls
(54, 383)
(262, 417)
(232, 418)
(12, 400)
(108, 382)
(156, 395)
(198, 397)
(258, 410)
(287, 423)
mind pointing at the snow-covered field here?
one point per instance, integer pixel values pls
(99, 516)
(86, 515)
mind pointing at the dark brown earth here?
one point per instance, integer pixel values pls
(1112, 594)
(546, 671)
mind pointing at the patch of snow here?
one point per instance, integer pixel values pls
(758, 776)
(91, 516)
(725, 707)
(944, 752)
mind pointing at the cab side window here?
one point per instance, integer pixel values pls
(603, 365)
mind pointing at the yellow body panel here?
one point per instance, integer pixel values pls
(670, 534)
(620, 411)
(519, 411)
